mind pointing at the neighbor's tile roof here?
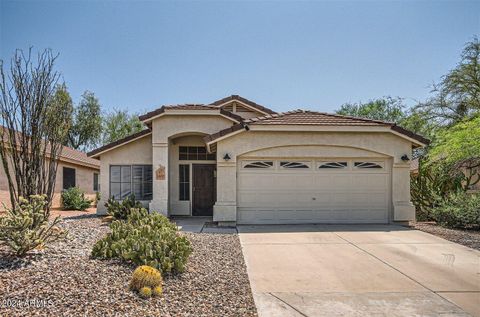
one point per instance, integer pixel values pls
(244, 100)
(188, 107)
(77, 157)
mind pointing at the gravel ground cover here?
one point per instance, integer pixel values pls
(64, 281)
(468, 238)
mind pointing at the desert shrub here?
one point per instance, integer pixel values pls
(433, 181)
(121, 209)
(98, 196)
(26, 226)
(458, 210)
(74, 199)
(147, 276)
(145, 239)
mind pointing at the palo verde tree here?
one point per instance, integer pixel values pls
(35, 123)
(457, 96)
(86, 123)
(385, 109)
(119, 124)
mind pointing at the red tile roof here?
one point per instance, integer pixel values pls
(79, 157)
(245, 101)
(295, 117)
(307, 117)
(188, 107)
(68, 154)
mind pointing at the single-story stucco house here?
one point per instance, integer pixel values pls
(243, 163)
(75, 169)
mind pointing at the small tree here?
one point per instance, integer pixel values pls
(457, 96)
(86, 123)
(385, 109)
(35, 124)
(459, 147)
(119, 124)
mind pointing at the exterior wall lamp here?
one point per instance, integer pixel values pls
(405, 158)
(227, 157)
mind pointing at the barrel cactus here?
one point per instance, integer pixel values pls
(145, 292)
(157, 291)
(145, 276)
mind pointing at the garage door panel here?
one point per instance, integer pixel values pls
(348, 195)
(370, 181)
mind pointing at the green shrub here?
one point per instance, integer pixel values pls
(433, 181)
(98, 196)
(145, 239)
(26, 226)
(121, 209)
(74, 199)
(458, 210)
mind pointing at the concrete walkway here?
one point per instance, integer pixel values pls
(200, 225)
(359, 270)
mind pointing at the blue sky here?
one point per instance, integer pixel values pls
(284, 55)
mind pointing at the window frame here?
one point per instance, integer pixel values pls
(96, 182)
(195, 153)
(64, 168)
(333, 165)
(257, 164)
(184, 185)
(144, 182)
(295, 165)
(131, 182)
(368, 165)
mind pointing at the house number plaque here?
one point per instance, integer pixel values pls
(160, 173)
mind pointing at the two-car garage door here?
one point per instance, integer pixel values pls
(341, 190)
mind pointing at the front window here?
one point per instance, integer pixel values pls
(184, 182)
(96, 185)
(68, 177)
(128, 179)
(195, 153)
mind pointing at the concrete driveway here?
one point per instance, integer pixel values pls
(359, 270)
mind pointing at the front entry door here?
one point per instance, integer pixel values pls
(203, 189)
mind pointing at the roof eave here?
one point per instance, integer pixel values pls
(244, 101)
(414, 138)
(226, 114)
(111, 146)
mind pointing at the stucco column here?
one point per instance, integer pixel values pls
(403, 209)
(225, 208)
(159, 201)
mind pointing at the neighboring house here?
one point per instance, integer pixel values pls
(243, 163)
(75, 168)
(414, 171)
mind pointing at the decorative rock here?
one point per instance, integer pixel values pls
(69, 283)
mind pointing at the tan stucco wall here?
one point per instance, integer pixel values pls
(280, 143)
(136, 152)
(171, 131)
(83, 179)
(166, 128)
